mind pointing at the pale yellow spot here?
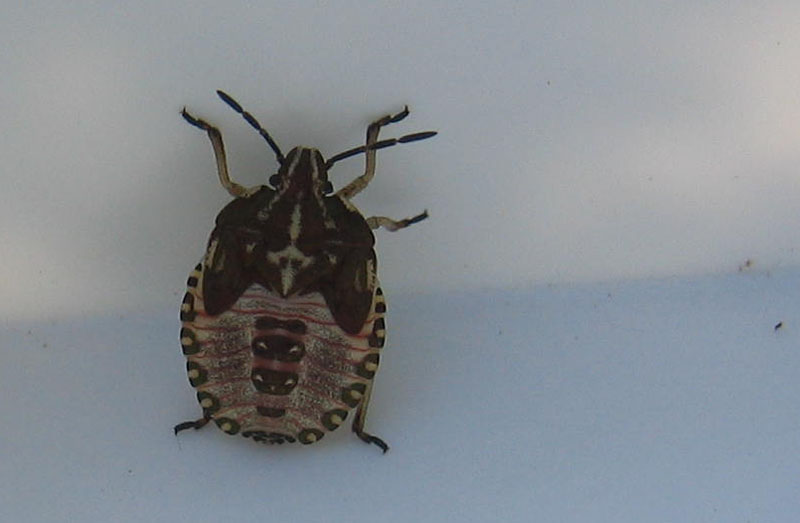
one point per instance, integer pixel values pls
(226, 427)
(186, 341)
(290, 259)
(355, 394)
(336, 419)
(219, 262)
(210, 253)
(206, 403)
(370, 274)
(292, 256)
(294, 226)
(185, 307)
(380, 333)
(194, 373)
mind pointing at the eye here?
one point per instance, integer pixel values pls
(275, 180)
(327, 188)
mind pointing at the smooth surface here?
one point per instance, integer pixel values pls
(658, 401)
(579, 141)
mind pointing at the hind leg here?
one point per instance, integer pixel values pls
(196, 425)
(360, 418)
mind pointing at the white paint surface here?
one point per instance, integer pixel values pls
(657, 401)
(578, 142)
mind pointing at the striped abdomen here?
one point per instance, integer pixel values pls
(277, 369)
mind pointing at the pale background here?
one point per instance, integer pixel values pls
(582, 331)
(578, 141)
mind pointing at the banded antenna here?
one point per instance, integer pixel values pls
(253, 122)
(372, 134)
(379, 145)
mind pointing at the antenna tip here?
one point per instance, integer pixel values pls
(230, 101)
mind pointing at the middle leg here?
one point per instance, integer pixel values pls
(375, 222)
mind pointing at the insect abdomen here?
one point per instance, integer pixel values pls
(278, 369)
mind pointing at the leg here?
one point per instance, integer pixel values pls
(197, 424)
(357, 185)
(375, 222)
(358, 423)
(219, 152)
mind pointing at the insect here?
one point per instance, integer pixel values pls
(283, 322)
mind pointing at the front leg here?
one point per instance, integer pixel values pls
(358, 185)
(219, 152)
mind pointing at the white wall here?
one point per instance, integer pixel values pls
(578, 141)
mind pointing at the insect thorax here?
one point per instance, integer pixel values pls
(293, 240)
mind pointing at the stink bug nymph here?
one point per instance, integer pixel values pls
(283, 320)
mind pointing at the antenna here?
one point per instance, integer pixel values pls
(253, 122)
(379, 145)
